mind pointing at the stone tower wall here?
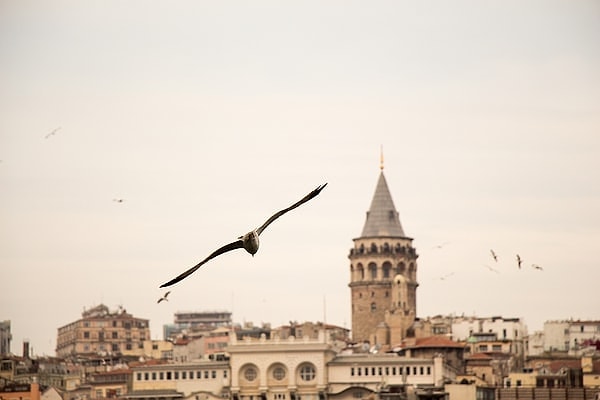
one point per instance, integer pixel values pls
(375, 262)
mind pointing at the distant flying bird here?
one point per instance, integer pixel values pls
(519, 261)
(443, 278)
(535, 266)
(119, 200)
(439, 246)
(164, 298)
(52, 133)
(494, 255)
(249, 241)
(491, 269)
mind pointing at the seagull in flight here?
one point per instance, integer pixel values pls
(494, 255)
(164, 298)
(444, 277)
(52, 133)
(119, 200)
(519, 261)
(439, 246)
(491, 269)
(535, 266)
(249, 241)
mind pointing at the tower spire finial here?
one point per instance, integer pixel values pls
(381, 158)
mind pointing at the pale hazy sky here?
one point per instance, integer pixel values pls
(208, 116)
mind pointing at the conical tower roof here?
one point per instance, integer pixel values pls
(382, 217)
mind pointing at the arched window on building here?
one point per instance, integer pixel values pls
(372, 271)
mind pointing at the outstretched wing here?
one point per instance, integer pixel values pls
(228, 247)
(278, 214)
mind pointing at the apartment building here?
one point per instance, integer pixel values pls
(5, 337)
(571, 336)
(102, 331)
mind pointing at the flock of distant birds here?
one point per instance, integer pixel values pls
(519, 262)
(250, 242)
(495, 258)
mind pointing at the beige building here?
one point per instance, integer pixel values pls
(159, 349)
(178, 380)
(101, 331)
(383, 275)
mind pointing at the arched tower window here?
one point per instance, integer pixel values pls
(373, 248)
(360, 271)
(372, 271)
(386, 248)
(401, 269)
(373, 307)
(386, 268)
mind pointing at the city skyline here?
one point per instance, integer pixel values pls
(134, 136)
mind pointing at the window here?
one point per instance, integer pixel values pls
(183, 374)
(373, 307)
(250, 374)
(213, 374)
(139, 376)
(199, 374)
(279, 373)
(115, 335)
(307, 372)
(146, 376)
(168, 375)
(373, 271)
(352, 371)
(161, 375)
(176, 375)
(86, 334)
(206, 374)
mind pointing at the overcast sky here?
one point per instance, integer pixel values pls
(208, 116)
